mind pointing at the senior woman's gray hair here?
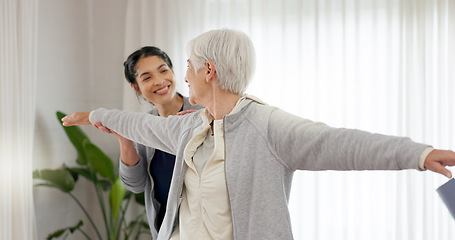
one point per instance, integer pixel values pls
(231, 51)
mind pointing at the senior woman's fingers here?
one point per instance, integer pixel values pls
(77, 118)
(437, 161)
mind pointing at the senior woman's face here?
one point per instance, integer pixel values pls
(195, 84)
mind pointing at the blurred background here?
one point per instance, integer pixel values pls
(384, 66)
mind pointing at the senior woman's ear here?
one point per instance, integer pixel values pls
(210, 72)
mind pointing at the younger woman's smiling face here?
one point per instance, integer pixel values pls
(156, 81)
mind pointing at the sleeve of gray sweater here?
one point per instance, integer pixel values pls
(307, 145)
(149, 130)
(135, 177)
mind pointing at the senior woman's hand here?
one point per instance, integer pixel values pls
(77, 118)
(438, 160)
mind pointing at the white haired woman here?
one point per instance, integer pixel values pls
(235, 159)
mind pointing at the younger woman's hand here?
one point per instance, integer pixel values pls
(185, 112)
(128, 154)
(103, 128)
(100, 126)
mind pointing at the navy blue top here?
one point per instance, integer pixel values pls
(161, 169)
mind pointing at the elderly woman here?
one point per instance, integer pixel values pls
(235, 159)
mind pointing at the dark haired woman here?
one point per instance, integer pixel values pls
(143, 169)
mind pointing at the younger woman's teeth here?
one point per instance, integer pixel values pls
(162, 90)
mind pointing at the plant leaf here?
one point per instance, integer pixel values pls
(56, 234)
(142, 223)
(139, 197)
(45, 185)
(128, 194)
(60, 232)
(85, 172)
(98, 161)
(78, 225)
(58, 178)
(105, 185)
(76, 136)
(116, 197)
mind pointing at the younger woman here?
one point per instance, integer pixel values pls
(144, 169)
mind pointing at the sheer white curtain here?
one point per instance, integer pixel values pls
(17, 98)
(384, 66)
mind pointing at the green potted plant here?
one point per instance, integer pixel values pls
(98, 168)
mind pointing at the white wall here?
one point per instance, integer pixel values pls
(80, 57)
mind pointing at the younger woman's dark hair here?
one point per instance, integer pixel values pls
(133, 58)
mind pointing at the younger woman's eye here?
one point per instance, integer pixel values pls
(164, 70)
(146, 78)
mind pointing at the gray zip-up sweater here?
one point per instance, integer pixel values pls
(138, 179)
(263, 147)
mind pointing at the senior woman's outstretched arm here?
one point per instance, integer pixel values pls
(146, 129)
(436, 161)
(309, 145)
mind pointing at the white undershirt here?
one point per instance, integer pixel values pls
(205, 211)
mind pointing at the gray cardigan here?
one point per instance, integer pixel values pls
(138, 179)
(264, 146)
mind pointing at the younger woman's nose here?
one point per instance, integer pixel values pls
(159, 82)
